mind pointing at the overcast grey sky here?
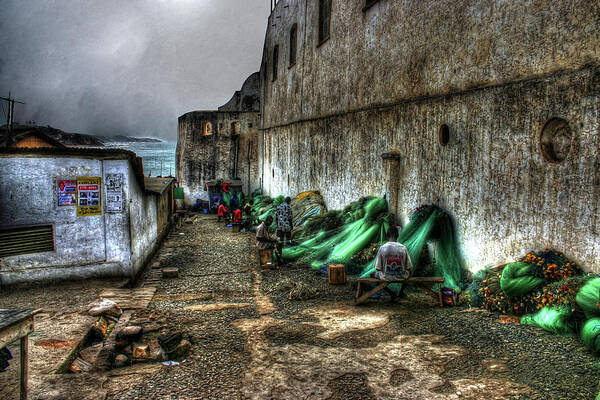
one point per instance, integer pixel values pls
(126, 66)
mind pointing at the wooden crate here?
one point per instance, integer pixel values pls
(336, 274)
(265, 258)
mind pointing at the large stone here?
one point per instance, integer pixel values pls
(170, 272)
(105, 306)
(181, 351)
(140, 350)
(121, 360)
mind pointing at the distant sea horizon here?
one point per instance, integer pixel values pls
(158, 157)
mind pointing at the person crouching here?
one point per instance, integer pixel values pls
(264, 240)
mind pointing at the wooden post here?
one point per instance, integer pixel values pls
(24, 366)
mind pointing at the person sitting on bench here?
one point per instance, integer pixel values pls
(392, 262)
(264, 240)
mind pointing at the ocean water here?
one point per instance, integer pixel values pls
(158, 158)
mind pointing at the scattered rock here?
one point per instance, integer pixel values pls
(169, 343)
(170, 272)
(140, 351)
(121, 360)
(181, 350)
(80, 366)
(131, 331)
(105, 306)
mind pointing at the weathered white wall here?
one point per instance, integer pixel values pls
(85, 247)
(143, 214)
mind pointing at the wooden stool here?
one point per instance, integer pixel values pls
(336, 274)
(265, 258)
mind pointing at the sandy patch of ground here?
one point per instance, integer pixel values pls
(216, 306)
(341, 319)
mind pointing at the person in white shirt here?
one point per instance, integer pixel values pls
(393, 262)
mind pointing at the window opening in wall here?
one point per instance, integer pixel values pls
(250, 125)
(555, 140)
(273, 172)
(369, 4)
(208, 129)
(293, 44)
(444, 134)
(288, 179)
(220, 126)
(324, 20)
(26, 240)
(236, 128)
(275, 60)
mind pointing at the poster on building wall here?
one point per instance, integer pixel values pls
(114, 193)
(66, 192)
(89, 196)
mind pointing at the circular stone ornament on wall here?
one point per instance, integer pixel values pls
(555, 140)
(444, 134)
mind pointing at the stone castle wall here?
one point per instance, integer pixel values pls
(231, 150)
(393, 78)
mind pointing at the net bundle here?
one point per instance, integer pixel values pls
(337, 236)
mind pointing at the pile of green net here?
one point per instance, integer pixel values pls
(335, 237)
(431, 223)
(549, 290)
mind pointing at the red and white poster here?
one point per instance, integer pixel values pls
(66, 192)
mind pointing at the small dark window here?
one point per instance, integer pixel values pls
(250, 125)
(369, 4)
(444, 134)
(293, 44)
(275, 60)
(324, 20)
(26, 240)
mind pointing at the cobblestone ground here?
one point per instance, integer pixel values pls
(250, 341)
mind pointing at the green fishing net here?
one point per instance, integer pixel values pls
(341, 234)
(588, 298)
(517, 279)
(590, 334)
(551, 319)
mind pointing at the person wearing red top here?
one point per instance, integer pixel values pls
(237, 216)
(221, 211)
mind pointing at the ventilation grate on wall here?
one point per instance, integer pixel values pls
(26, 240)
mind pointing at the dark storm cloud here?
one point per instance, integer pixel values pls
(126, 67)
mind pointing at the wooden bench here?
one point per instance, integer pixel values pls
(422, 283)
